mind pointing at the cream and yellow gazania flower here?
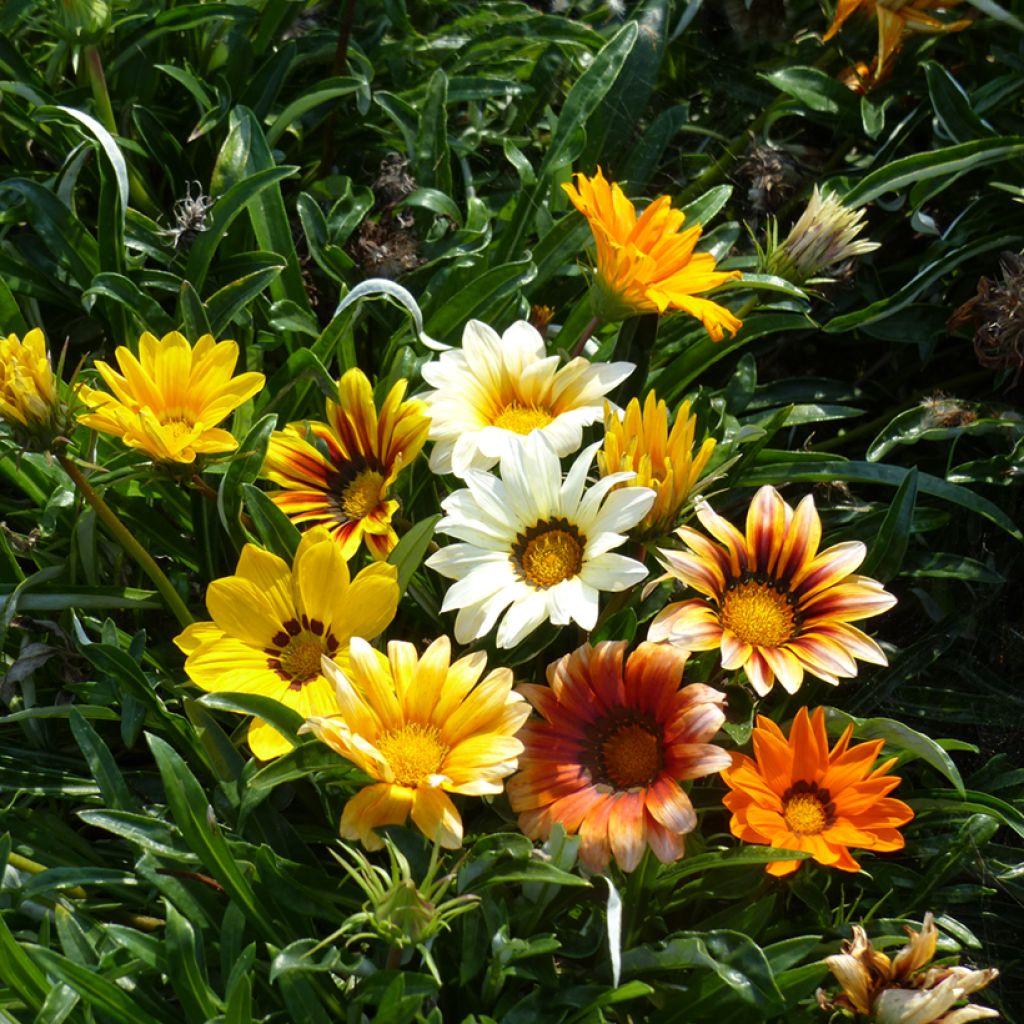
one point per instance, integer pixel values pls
(899, 990)
(28, 393)
(773, 603)
(536, 544)
(896, 20)
(339, 473)
(607, 756)
(662, 460)
(647, 264)
(796, 794)
(422, 727)
(493, 391)
(169, 400)
(273, 623)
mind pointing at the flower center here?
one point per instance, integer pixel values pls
(178, 427)
(759, 614)
(521, 419)
(362, 494)
(631, 755)
(300, 658)
(548, 553)
(414, 752)
(807, 809)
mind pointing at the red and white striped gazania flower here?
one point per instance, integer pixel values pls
(774, 604)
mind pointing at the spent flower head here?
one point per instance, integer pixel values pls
(904, 989)
(824, 237)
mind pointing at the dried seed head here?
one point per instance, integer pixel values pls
(189, 216)
(996, 313)
(773, 175)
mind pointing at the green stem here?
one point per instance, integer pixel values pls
(128, 542)
(98, 84)
(588, 331)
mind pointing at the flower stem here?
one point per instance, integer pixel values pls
(588, 331)
(128, 542)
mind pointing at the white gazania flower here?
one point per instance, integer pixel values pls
(492, 391)
(536, 543)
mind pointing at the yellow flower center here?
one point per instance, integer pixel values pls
(807, 809)
(178, 427)
(548, 553)
(631, 755)
(414, 752)
(758, 614)
(521, 419)
(300, 658)
(362, 494)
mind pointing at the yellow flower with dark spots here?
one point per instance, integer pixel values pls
(272, 625)
(339, 474)
(647, 264)
(168, 400)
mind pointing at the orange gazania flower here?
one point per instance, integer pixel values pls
(774, 604)
(641, 442)
(647, 264)
(896, 19)
(421, 726)
(796, 794)
(607, 757)
(340, 477)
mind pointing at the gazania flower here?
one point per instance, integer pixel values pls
(422, 727)
(775, 605)
(798, 795)
(896, 19)
(535, 543)
(28, 394)
(899, 990)
(339, 473)
(169, 400)
(607, 757)
(664, 461)
(824, 237)
(273, 623)
(647, 264)
(493, 391)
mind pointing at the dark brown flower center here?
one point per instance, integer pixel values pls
(627, 750)
(549, 552)
(296, 650)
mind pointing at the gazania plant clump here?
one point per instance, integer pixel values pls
(510, 512)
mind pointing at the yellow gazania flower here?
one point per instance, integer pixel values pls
(169, 400)
(342, 480)
(422, 727)
(27, 389)
(773, 603)
(647, 264)
(899, 990)
(272, 624)
(896, 19)
(641, 442)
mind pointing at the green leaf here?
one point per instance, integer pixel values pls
(952, 105)
(20, 972)
(275, 530)
(411, 548)
(431, 159)
(143, 831)
(295, 957)
(282, 718)
(887, 550)
(815, 89)
(900, 737)
(244, 468)
(935, 163)
(101, 763)
(192, 814)
(324, 92)
(224, 305)
(186, 969)
(788, 469)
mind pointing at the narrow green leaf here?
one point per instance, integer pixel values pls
(282, 718)
(887, 550)
(324, 92)
(186, 969)
(431, 158)
(409, 551)
(244, 468)
(275, 530)
(101, 763)
(227, 302)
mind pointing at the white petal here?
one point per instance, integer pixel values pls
(525, 615)
(612, 572)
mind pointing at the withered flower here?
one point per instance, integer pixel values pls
(901, 990)
(996, 312)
